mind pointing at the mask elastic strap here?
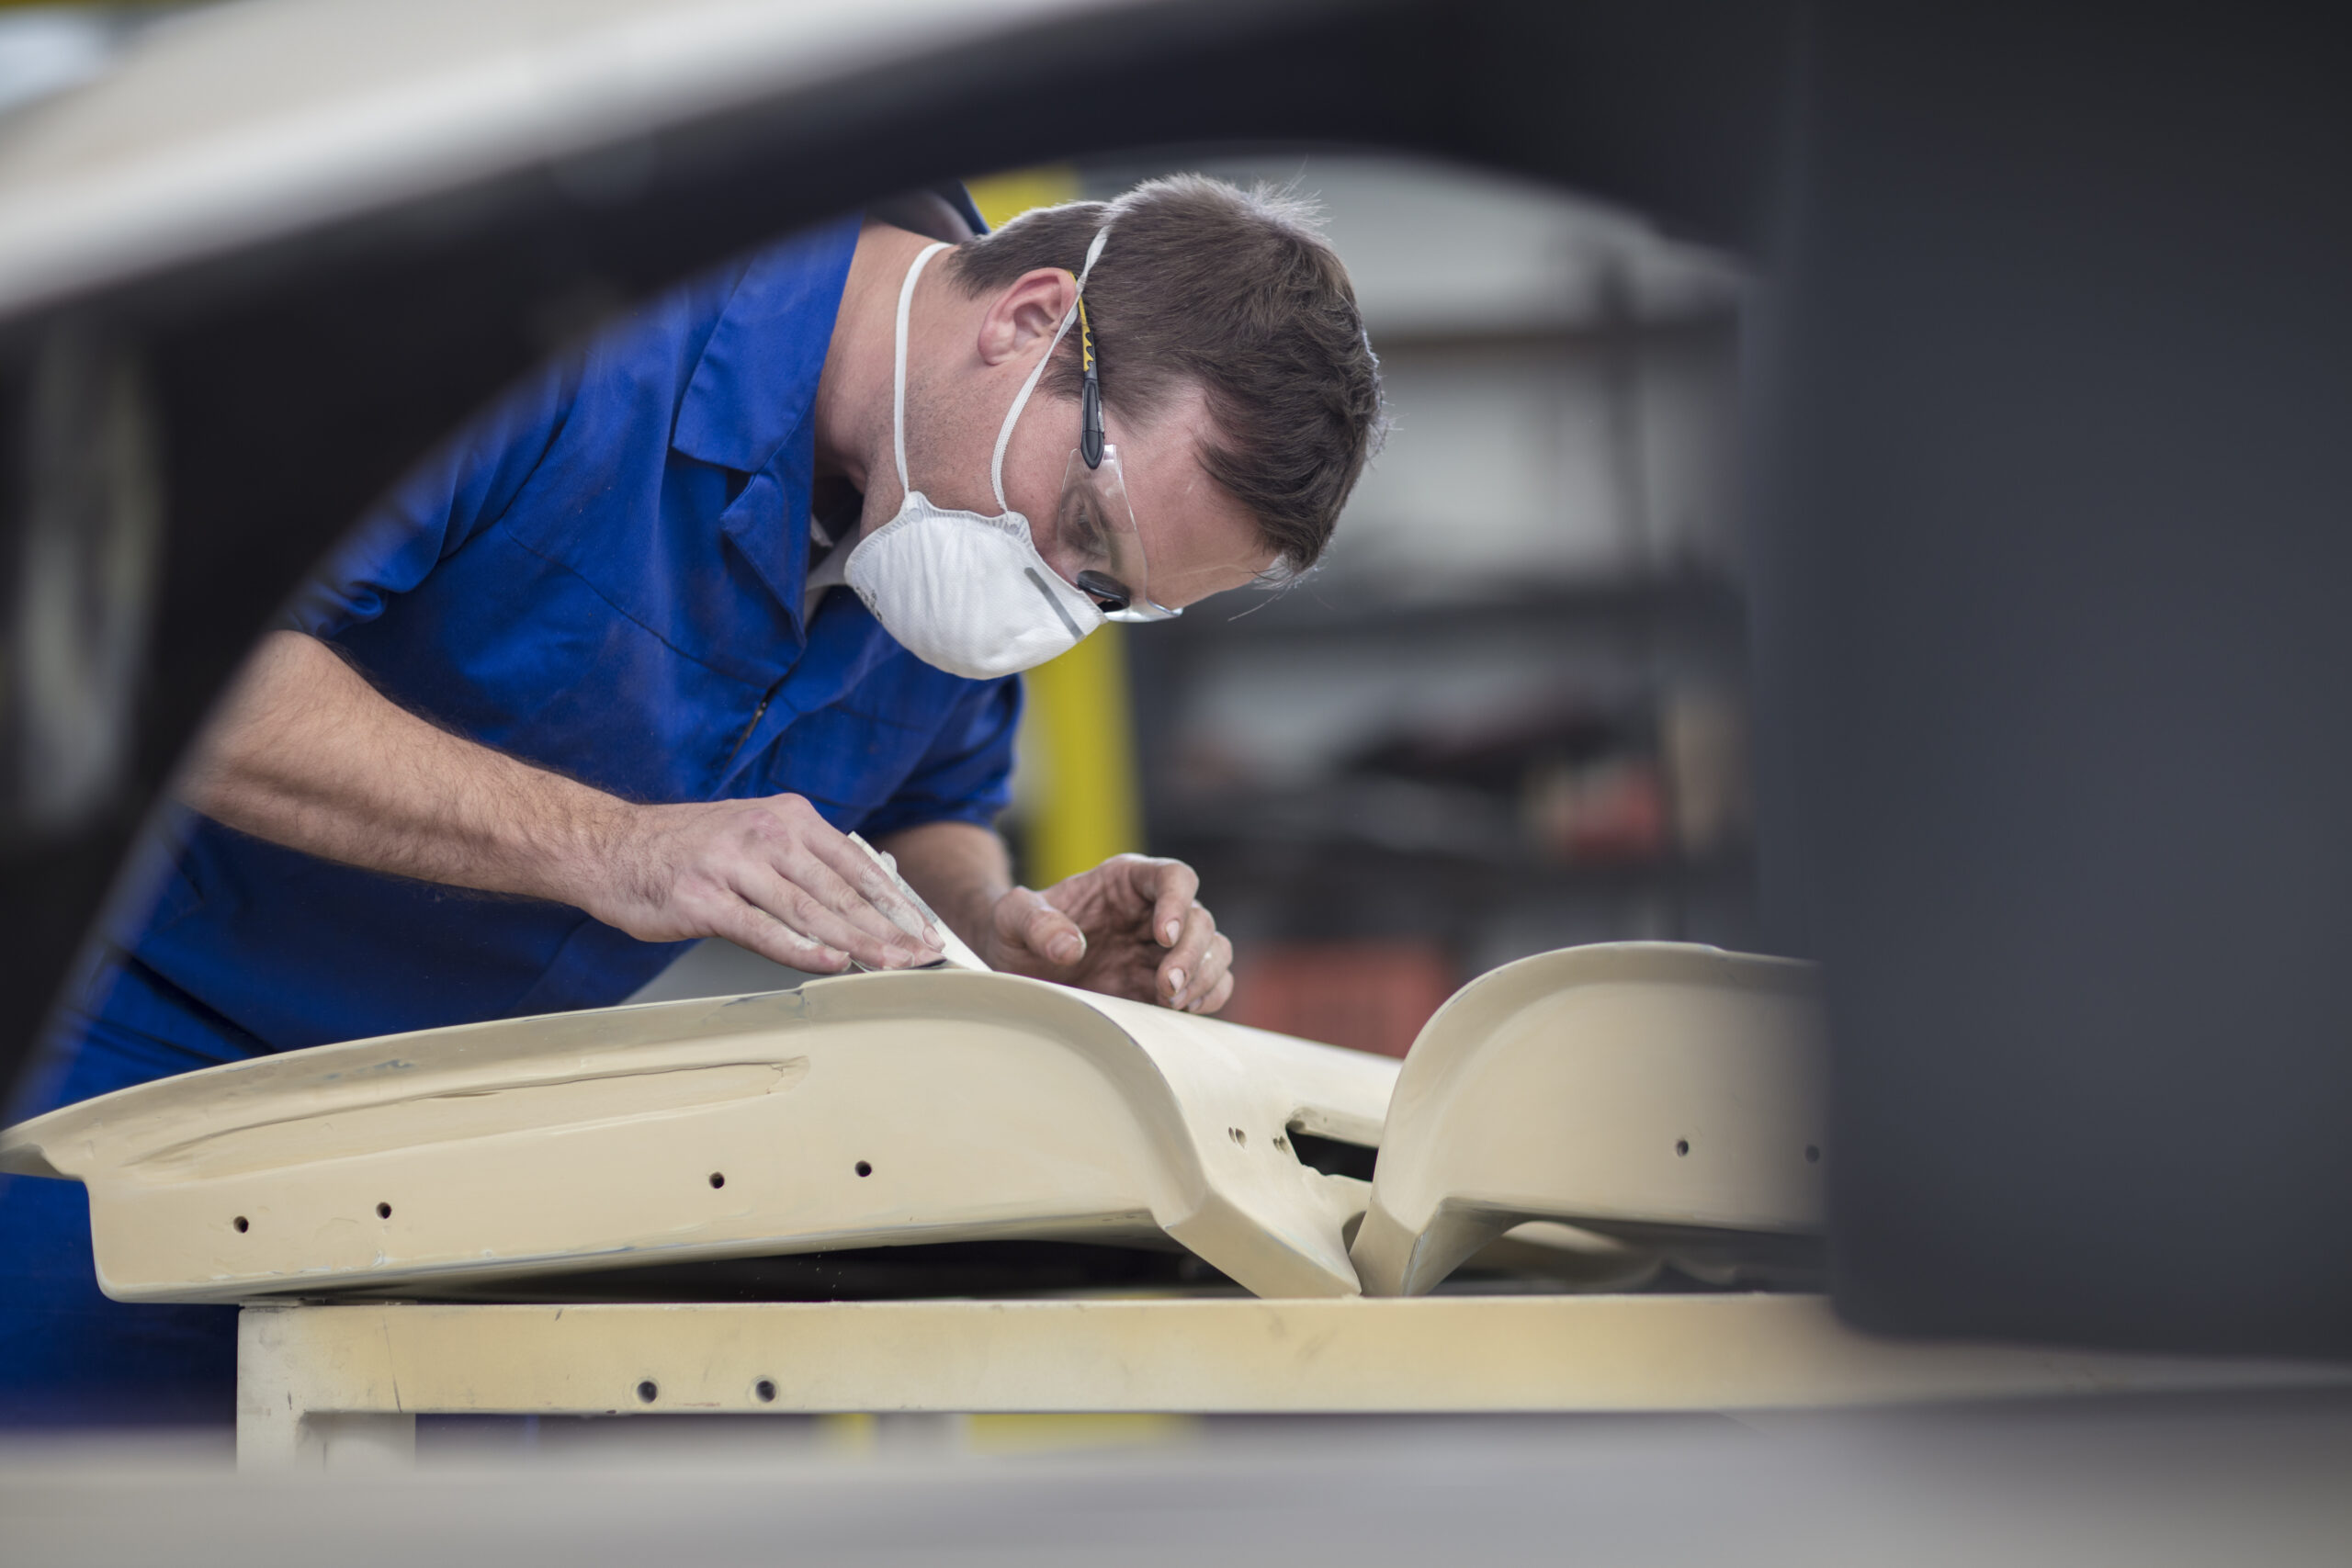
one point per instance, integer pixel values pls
(1004, 436)
(898, 389)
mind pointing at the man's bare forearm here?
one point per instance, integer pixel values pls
(307, 754)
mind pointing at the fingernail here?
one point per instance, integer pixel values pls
(931, 934)
(1175, 983)
(1173, 929)
(1068, 949)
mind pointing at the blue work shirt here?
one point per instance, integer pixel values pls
(603, 577)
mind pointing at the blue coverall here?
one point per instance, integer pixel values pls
(603, 576)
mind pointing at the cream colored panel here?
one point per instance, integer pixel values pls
(863, 1110)
(1649, 1090)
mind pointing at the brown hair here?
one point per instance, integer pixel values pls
(1205, 284)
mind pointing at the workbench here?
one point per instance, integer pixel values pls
(340, 1386)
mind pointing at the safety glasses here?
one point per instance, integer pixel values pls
(1094, 519)
(1097, 529)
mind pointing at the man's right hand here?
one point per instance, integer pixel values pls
(771, 875)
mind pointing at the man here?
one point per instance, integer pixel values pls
(589, 687)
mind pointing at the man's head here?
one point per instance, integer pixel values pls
(1237, 381)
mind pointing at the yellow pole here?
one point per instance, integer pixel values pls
(1079, 801)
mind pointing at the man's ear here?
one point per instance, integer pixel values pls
(1022, 320)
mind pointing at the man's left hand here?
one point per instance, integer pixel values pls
(1131, 927)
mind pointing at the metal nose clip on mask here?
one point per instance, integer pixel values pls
(966, 593)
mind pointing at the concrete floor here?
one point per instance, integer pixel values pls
(2139, 1481)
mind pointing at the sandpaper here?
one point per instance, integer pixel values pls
(957, 954)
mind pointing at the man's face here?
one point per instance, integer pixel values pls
(1195, 538)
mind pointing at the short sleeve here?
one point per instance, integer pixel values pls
(461, 489)
(966, 775)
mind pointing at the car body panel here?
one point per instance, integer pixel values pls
(1662, 1092)
(859, 1110)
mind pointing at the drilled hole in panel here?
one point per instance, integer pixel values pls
(863, 1168)
(647, 1393)
(383, 1210)
(765, 1390)
(1333, 1156)
(718, 1179)
(1681, 1146)
(241, 1224)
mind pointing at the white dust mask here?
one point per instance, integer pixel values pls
(966, 593)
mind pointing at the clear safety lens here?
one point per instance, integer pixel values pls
(1096, 529)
